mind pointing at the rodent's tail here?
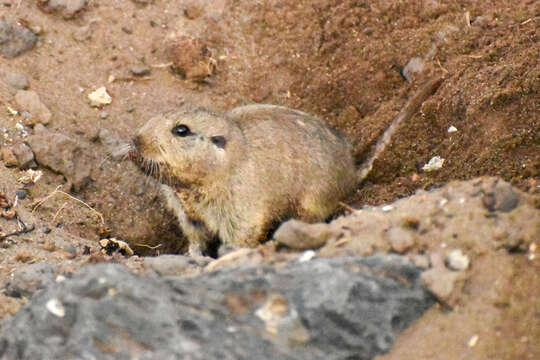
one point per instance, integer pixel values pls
(408, 111)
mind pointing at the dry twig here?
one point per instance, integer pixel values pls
(58, 191)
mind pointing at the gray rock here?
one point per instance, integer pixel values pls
(29, 279)
(16, 81)
(323, 309)
(29, 101)
(414, 66)
(501, 197)
(67, 8)
(63, 155)
(24, 156)
(140, 70)
(15, 40)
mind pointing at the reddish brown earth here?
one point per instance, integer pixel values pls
(340, 60)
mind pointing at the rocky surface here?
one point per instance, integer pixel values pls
(321, 309)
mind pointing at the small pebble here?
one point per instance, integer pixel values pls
(472, 341)
(435, 163)
(9, 157)
(55, 307)
(17, 81)
(400, 239)
(456, 260)
(140, 70)
(71, 249)
(414, 66)
(21, 194)
(306, 256)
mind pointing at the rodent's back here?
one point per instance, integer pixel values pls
(295, 157)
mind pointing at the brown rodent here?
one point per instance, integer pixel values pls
(236, 175)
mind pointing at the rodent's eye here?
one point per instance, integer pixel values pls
(181, 130)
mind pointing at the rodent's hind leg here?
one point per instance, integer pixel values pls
(315, 209)
(198, 236)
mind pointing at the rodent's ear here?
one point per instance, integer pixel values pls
(219, 141)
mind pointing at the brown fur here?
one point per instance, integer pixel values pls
(276, 163)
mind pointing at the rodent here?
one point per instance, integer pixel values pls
(234, 176)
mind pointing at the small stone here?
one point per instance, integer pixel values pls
(440, 282)
(24, 155)
(99, 97)
(421, 261)
(472, 341)
(127, 30)
(300, 235)
(64, 155)
(103, 115)
(306, 256)
(456, 260)
(15, 40)
(400, 239)
(414, 66)
(9, 157)
(452, 129)
(21, 194)
(55, 307)
(435, 163)
(501, 198)
(70, 249)
(29, 101)
(191, 57)
(140, 70)
(193, 10)
(16, 81)
(67, 8)
(171, 265)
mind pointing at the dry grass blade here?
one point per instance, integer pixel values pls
(58, 191)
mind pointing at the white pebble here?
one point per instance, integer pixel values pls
(457, 261)
(306, 256)
(452, 129)
(472, 341)
(55, 307)
(435, 163)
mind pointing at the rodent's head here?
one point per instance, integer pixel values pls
(187, 148)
